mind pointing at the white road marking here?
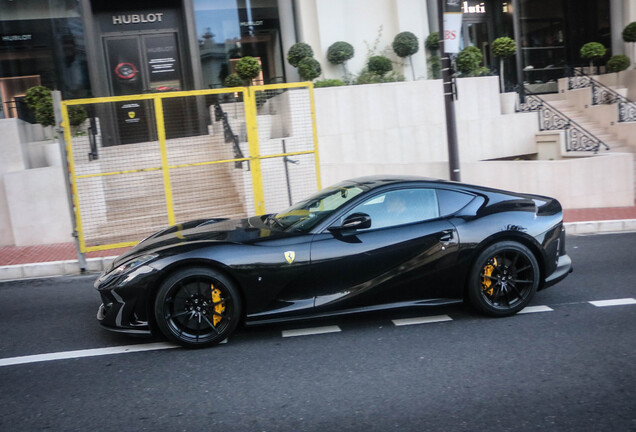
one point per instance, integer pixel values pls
(421, 320)
(532, 309)
(311, 331)
(286, 333)
(85, 353)
(613, 302)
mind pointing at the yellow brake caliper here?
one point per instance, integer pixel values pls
(220, 307)
(486, 283)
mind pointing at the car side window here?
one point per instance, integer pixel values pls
(452, 201)
(399, 207)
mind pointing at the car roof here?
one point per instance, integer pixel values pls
(375, 181)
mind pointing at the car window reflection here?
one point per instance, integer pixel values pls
(306, 214)
(399, 207)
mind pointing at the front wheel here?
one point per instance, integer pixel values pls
(197, 307)
(503, 279)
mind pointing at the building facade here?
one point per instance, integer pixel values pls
(99, 48)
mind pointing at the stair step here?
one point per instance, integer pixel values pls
(559, 102)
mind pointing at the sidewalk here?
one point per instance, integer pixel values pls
(61, 259)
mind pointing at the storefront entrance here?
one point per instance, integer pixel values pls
(142, 63)
(476, 33)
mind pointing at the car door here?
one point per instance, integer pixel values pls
(404, 255)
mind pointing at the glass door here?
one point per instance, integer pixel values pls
(477, 34)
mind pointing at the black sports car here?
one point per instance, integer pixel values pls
(364, 244)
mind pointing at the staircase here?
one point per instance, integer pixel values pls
(130, 206)
(594, 108)
(579, 115)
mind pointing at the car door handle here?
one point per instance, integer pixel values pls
(446, 236)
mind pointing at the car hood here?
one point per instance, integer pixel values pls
(239, 231)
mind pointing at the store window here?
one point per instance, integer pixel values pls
(229, 30)
(552, 33)
(41, 43)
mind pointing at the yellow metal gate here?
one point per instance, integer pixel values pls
(143, 162)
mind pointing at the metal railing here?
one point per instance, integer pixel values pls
(602, 94)
(577, 137)
(228, 134)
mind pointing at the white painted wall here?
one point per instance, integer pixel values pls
(12, 159)
(38, 207)
(586, 182)
(323, 22)
(399, 128)
(401, 125)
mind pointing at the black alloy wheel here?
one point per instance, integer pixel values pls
(197, 307)
(503, 279)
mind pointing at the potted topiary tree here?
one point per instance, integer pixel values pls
(504, 48)
(618, 63)
(248, 68)
(379, 65)
(405, 44)
(468, 61)
(40, 100)
(629, 35)
(309, 69)
(233, 80)
(297, 52)
(592, 51)
(434, 61)
(339, 53)
(432, 43)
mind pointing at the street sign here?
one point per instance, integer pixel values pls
(452, 26)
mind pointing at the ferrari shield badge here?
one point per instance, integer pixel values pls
(289, 256)
(131, 114)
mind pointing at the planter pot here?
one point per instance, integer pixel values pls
(508, 102)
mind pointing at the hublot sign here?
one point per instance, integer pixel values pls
(137, 18)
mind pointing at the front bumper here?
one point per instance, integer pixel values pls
(116, 314)
(125, 301)
(564, 267)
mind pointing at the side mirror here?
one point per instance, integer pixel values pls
(352, 222)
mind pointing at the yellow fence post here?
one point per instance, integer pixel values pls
(70, 162)
(315, 132)
(255, 161)
(161, 136)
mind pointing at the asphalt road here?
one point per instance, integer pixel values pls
(569, 369)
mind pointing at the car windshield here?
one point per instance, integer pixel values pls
(306, 214)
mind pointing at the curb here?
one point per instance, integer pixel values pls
(52, 268)
(97, 265)
(600, 227)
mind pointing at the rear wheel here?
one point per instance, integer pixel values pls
(503, 279)
(197, 307)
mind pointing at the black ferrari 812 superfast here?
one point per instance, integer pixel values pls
(364, 244)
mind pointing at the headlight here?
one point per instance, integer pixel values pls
(127, 267)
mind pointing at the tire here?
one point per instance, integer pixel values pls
(503, 279)
(197, 307)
